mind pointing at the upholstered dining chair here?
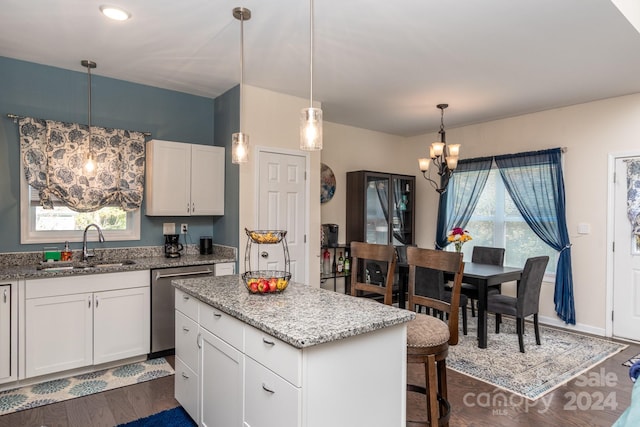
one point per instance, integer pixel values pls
(431, 283)
(428, 337)
(527, 301)
(483, 255)
(370, 255)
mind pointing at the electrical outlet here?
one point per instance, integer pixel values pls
(184, 228)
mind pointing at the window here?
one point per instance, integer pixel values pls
(39, 225)
(497, 222)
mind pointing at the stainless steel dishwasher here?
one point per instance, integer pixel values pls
(163, 303)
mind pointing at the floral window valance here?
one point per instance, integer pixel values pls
(53, 154)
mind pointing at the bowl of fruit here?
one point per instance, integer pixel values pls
(266, 236)
(266, 281)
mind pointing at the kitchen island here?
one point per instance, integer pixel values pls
(305, 357)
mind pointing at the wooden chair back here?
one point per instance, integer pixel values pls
(447, 262)
(361, 253)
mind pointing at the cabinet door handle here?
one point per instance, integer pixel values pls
(217, 315)
(185, 329)
(267, 389)
(185, 376)
(97, 302)
(89, 301)
(188, 206)
(4, 297)
(198, 340)
(266, 341)
(185, 297)
(193, 207)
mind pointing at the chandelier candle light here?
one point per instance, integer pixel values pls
(240, 140)
(443, 156)
(458, 237)
(311, 118)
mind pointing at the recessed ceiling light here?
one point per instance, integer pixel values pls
(115, 13)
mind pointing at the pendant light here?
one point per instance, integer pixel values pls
(90, 164)
(311, 118)
(444, 157)
(240, 140)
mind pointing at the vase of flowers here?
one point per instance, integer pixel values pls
(458, 237)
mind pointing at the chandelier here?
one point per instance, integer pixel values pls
(444, 158)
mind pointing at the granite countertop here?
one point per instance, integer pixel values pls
(302, 315)
(25, 266)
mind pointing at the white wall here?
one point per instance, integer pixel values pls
(272, 120)
(590, 132)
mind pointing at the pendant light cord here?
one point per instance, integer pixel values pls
(311, 54)
(241, 67)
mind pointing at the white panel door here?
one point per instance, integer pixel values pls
(5, 331)
(626, 263)
(207, 180)
(59, 333)
(221, 373)
(281, 206)
(121, 324)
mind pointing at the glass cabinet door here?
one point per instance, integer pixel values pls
(377, 209)
(402, 211)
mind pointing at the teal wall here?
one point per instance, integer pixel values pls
(29, 89)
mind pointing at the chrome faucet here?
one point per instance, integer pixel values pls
(86, 254)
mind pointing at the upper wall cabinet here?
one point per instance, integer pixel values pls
(184, 179)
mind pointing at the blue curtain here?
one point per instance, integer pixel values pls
(535, 183)
(459, 201)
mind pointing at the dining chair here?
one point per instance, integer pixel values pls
(428, 337)
(431, 283)
(526, 302)
(365, 262)
(483, 255)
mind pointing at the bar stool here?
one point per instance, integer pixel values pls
(428, 337)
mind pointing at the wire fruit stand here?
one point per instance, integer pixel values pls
(266, 281)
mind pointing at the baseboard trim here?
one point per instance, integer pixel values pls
(578, 327)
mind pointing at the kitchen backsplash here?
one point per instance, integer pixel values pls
(30, 258)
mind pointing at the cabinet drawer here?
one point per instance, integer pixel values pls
(224, 326)
(187, 304)
(186, 388)
(186, 340)
(270, 401)
(282, 358)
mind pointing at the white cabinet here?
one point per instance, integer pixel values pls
(224, 268)
(184, 179)
(221, 382)
(8, 331)
(77, 321)
(187, 377)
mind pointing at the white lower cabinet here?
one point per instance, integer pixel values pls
(66, 329)
(249, 378)
(8, 331)
(221, 382)
(270, 400)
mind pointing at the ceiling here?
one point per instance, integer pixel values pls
(378, 64)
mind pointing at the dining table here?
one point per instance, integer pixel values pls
(481, 275)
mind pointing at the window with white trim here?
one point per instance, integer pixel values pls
(497, 222)
(39, 225)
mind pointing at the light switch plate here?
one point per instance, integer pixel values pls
(584, 228)
(169, 228)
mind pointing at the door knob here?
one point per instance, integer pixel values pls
(264, 254)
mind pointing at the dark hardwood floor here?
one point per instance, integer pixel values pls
(596, 402)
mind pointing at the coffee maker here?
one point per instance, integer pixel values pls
(172, 245)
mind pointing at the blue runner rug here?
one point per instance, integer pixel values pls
(176, 417)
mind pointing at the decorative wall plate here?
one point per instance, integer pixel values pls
(327, 183)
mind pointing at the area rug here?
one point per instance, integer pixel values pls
(631, 361)
(29, 397)
(176, 417)
(560, 357)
